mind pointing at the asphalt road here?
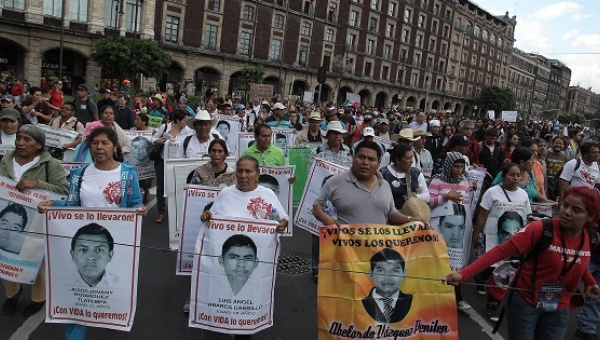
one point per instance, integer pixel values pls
(161, 295)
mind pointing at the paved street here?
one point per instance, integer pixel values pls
(161, 296)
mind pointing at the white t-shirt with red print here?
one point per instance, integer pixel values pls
(586, 176)
(101, 188)
(261, 203)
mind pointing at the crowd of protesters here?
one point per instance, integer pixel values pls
(423, 156)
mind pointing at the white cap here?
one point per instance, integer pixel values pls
(434, 123)
(336, 126)
(369, 132)
(278, 106)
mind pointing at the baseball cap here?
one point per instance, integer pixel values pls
(459, 139)
(239, 107)
(369, 132)
(82, 87)
(8, 97)
(434, 123)
(278, 106)
(9, 113)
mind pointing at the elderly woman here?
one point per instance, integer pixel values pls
(88, 187)
(245, 191)
(32, 168)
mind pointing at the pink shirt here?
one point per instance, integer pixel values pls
(438, 188)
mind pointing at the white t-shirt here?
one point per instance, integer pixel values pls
(586, 176)
(258, 203)
(100, 188)
(19, 170)
(496, 194)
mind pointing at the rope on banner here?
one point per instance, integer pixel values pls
(413, 277)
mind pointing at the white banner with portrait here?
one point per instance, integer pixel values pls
(228, 127)
(177, 172)
(277, 179)
(504, 220)
(284, 139)
(455, 223)
(245, 140)
(138, 157)
(196, 199)
(233, 280)
(21, 239)
(318, 174)
(92, 257)
(476, 175)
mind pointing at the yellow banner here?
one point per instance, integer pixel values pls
(379, 282)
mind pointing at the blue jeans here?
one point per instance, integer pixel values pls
(525, 322)
(589, 316)
(75, 332)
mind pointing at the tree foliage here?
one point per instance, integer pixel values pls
(497, 99)
(117, 53)
(571, 117)
(252, 74)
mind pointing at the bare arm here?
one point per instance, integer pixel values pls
(321, 215)
(479, 224)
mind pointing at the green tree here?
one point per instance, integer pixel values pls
(252, 74)
(117, 54)
(497, 99)
(571, 117)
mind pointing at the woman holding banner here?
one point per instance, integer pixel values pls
(452, 185)
(176, 130)
(406, 181)
(107, 182)
(260, 202)
(506, 194)
(32, 168)
(538, 308)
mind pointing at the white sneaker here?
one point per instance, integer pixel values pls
(463, 305)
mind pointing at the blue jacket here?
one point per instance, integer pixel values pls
(130, 188)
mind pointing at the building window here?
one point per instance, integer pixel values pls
(476, 31)
(417, 60)
(432, 45)
(418, 41)
(436, 9)
(248, 13)
(279, 21)
(368, 67)
(370, 46)
(245, 43)
(111, 15)
(403, 54)
(407, 13)
(389, 31)
(385, 70)
(329, 33)
(414, 78)
(78, 10)
(387, 51)
(275, 50)
(434, 26)
(331, 11)
(375, 4)
(392, 9)
(15, 4)
(351, 41)
(305, 29)
(131, 22)
(52, 7)
(373, 24)
(405, 34)
(214, 5)
(307, 7)
(172, 29)
(303, 55)
(210, 39)
(421, 21)
(353, 18)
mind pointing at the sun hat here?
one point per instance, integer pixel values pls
(202, 115)
(407, 134)
(335, 126)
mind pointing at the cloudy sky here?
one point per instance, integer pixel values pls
(564, 30)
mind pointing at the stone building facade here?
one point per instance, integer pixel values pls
(428, 54)
(582, 100)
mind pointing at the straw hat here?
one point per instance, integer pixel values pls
(159, 98)
(202, 115)
(407, 134)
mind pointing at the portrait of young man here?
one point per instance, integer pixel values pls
(238, 259)
(386, 303)
(91, 251)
